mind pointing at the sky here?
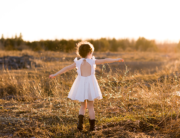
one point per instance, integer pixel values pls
(85, 19)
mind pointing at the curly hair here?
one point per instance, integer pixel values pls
(83, 48)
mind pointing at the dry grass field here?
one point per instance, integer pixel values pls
(141, 97)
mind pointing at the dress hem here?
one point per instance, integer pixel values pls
(99, 98)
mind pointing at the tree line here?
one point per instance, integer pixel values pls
(63, 45)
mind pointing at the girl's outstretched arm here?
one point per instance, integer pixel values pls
(108, 60)
(65, 69)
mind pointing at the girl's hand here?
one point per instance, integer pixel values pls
(52, 76)
(120, 59)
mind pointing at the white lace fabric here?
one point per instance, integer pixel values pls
(85, 88)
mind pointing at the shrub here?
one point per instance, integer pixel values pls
(143, 44)
(178, 47)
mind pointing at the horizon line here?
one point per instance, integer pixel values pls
(84, 39)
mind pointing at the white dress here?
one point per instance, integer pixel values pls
(85, 87)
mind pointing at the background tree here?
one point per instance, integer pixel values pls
(143, 44)
(178, 47)
(63, 45)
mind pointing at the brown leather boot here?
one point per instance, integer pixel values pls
(92, 124)
(80, 122)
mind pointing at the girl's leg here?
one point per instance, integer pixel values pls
(83, 107)
(81, 115)
(91, 109)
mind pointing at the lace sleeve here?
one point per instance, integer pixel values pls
(94, 59)
(75, 60)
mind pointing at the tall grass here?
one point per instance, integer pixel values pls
(131, 104)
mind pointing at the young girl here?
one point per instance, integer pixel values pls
(85, 87)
